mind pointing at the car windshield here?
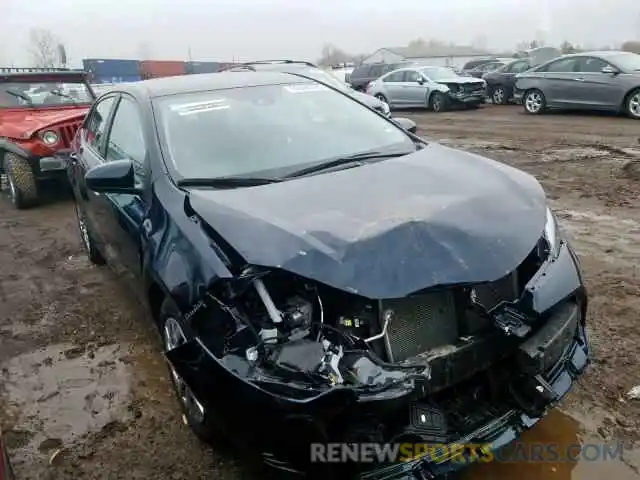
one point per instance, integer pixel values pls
(43, 94)
(269, 131)
(629, 62)
(439, 73)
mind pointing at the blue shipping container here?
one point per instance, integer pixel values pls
(203, 67)
(111, 67)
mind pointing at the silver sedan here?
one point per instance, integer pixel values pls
(437, 88)
(592, 81)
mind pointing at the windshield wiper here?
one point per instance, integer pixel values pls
(20, 95)
(63, 95)
(226, 182)
(355, 159)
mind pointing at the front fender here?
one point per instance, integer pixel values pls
(8, 146)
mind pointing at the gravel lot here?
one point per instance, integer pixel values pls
(85, 394)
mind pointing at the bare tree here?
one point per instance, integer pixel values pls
(44, 47)
(631, 46)
(568, 47)
(332, 55)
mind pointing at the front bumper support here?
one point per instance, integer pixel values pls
(555, 383)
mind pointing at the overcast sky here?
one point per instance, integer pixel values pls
(228, 30)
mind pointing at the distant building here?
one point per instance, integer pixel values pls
(451, 56)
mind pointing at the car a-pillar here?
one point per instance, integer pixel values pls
(20, 179)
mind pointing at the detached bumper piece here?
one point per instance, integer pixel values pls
(545, 367)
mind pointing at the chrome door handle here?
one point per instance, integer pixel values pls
(579, 79)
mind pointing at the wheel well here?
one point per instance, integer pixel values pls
(626, 97)
(155, 297)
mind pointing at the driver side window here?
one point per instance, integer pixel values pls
(126, 138)
(411, 76)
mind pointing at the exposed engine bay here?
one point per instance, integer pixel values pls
(283, 328)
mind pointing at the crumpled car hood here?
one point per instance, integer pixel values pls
(24, 122)
(436, 217)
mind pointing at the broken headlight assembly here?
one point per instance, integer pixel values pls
(552, 234)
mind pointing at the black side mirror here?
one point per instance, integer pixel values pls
(406, 123)
(420, 81)
(112, 177)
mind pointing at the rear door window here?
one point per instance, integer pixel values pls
(96, 124)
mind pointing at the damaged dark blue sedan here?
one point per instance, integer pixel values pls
(320, 275)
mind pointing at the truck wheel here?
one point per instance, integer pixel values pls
(23, 188)
(438, 102)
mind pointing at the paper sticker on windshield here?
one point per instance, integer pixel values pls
(199, 107)
(305, 87)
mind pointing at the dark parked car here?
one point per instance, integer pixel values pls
(320, 275)
(608, 81)
(366, 73)
(311, 70)
(480, 70)
(501, 82)
(471, 64)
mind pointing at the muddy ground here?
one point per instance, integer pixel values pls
(84, 392)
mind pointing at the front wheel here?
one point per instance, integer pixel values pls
(499, 95)
(633, 104)
(438, 102)
(197, 417)
(93, 253)
(534, 102)
(23, 189)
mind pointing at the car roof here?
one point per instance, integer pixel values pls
(160, 87)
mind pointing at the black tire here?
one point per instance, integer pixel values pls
(534, 102)
(204, 426)
(632, 104)
(89, 245)
(499, 95)
(438, 102)
(23, 188)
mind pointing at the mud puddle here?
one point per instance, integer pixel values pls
(59, 394)
(558, 449)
